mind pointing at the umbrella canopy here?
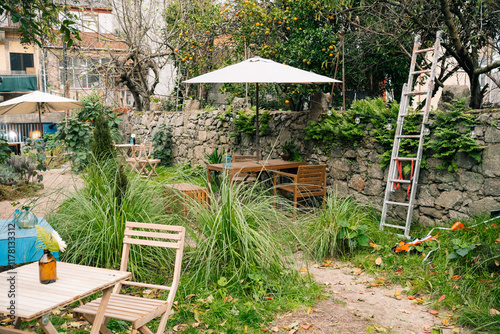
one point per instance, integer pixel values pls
(37, 102)
(260, 70)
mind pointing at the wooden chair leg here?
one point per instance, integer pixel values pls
(145, 330)
(103, 330)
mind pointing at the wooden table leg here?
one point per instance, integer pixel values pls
(17, 323)
(101, 310)
(209, 176)
(48, 328)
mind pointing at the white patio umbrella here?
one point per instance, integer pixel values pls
(260, 70)
(37, 102)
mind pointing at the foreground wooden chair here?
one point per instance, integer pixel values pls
(140, 310)
(309, 181)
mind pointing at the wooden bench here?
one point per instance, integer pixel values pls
(193, 191)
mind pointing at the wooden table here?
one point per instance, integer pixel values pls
(33, 300)
(124, 149)
(253, 166)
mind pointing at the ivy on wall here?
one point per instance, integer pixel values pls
(450, 132)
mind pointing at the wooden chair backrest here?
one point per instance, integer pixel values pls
(168, 236)
(312, 175)
(238, 158)
(148, 149)
(138, 152)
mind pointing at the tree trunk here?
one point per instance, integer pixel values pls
(476, 96)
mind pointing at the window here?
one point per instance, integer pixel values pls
(20, 61)
(82, 73)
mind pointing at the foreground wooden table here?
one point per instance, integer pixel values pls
(253, 166)
(21, 287)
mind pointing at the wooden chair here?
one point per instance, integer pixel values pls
(309, 181)
(244, 177)
(135, 309)
(146, 159)
(133, 160)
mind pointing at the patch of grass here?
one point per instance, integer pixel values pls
(182, 173)
(467, 285)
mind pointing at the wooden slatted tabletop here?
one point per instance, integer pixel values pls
(33, 299)
(253, 166)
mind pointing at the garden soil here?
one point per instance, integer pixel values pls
(354, 302)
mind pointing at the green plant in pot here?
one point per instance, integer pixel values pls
(289, 152)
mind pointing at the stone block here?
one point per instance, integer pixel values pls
(340, 188)
(483, 206)
(449, 199)
(457, 216)
(356, 182)
(202, 136)
(465, 162)
(470, 181)
(374, 187)
(491, 161)
(444, 176)
(492, 187)
(492, 135)
(350, 154)
(424, 197)
(375, 172)
(431, 212)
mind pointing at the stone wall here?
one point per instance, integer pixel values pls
(442, 196)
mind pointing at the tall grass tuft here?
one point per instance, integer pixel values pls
(337, 228)
(93, 220)
(236, 236)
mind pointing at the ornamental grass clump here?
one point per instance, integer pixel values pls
(93, 220)
(236, 236)
(337, 228)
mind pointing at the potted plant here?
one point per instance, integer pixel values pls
(287, 150)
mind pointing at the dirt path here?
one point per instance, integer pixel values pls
(359, 303)
(57, 184)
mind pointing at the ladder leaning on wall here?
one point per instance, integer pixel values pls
(394, 178)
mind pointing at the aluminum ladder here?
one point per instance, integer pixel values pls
(392, 178)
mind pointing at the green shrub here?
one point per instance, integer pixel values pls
(102, 143)
(25, 166)
(4, 150)
(8, 176)
(338, 228)
(451, 135)
(162, 144)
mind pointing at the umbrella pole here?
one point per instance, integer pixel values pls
(40, 120)
(257, 130)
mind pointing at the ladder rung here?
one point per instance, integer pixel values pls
(425, 50)
(421, 72)
(404, 158)
(408, 136)
(401, 181)
(416, 92)
(394, 226)
(397, 203)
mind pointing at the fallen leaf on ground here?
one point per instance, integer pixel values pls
(275, 329)
(455, 277)
(399, 272)
(433, 312)
(373, 245)
(494, 312)
(268, 298)
(378, 261)
(397, 293)
(405, 311)
(303, 270)
(441, 298)
(445, 322)
(305, 327)
(411, 297)
(190, 296)
(358, 271)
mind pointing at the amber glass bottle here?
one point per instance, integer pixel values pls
(47, 267)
